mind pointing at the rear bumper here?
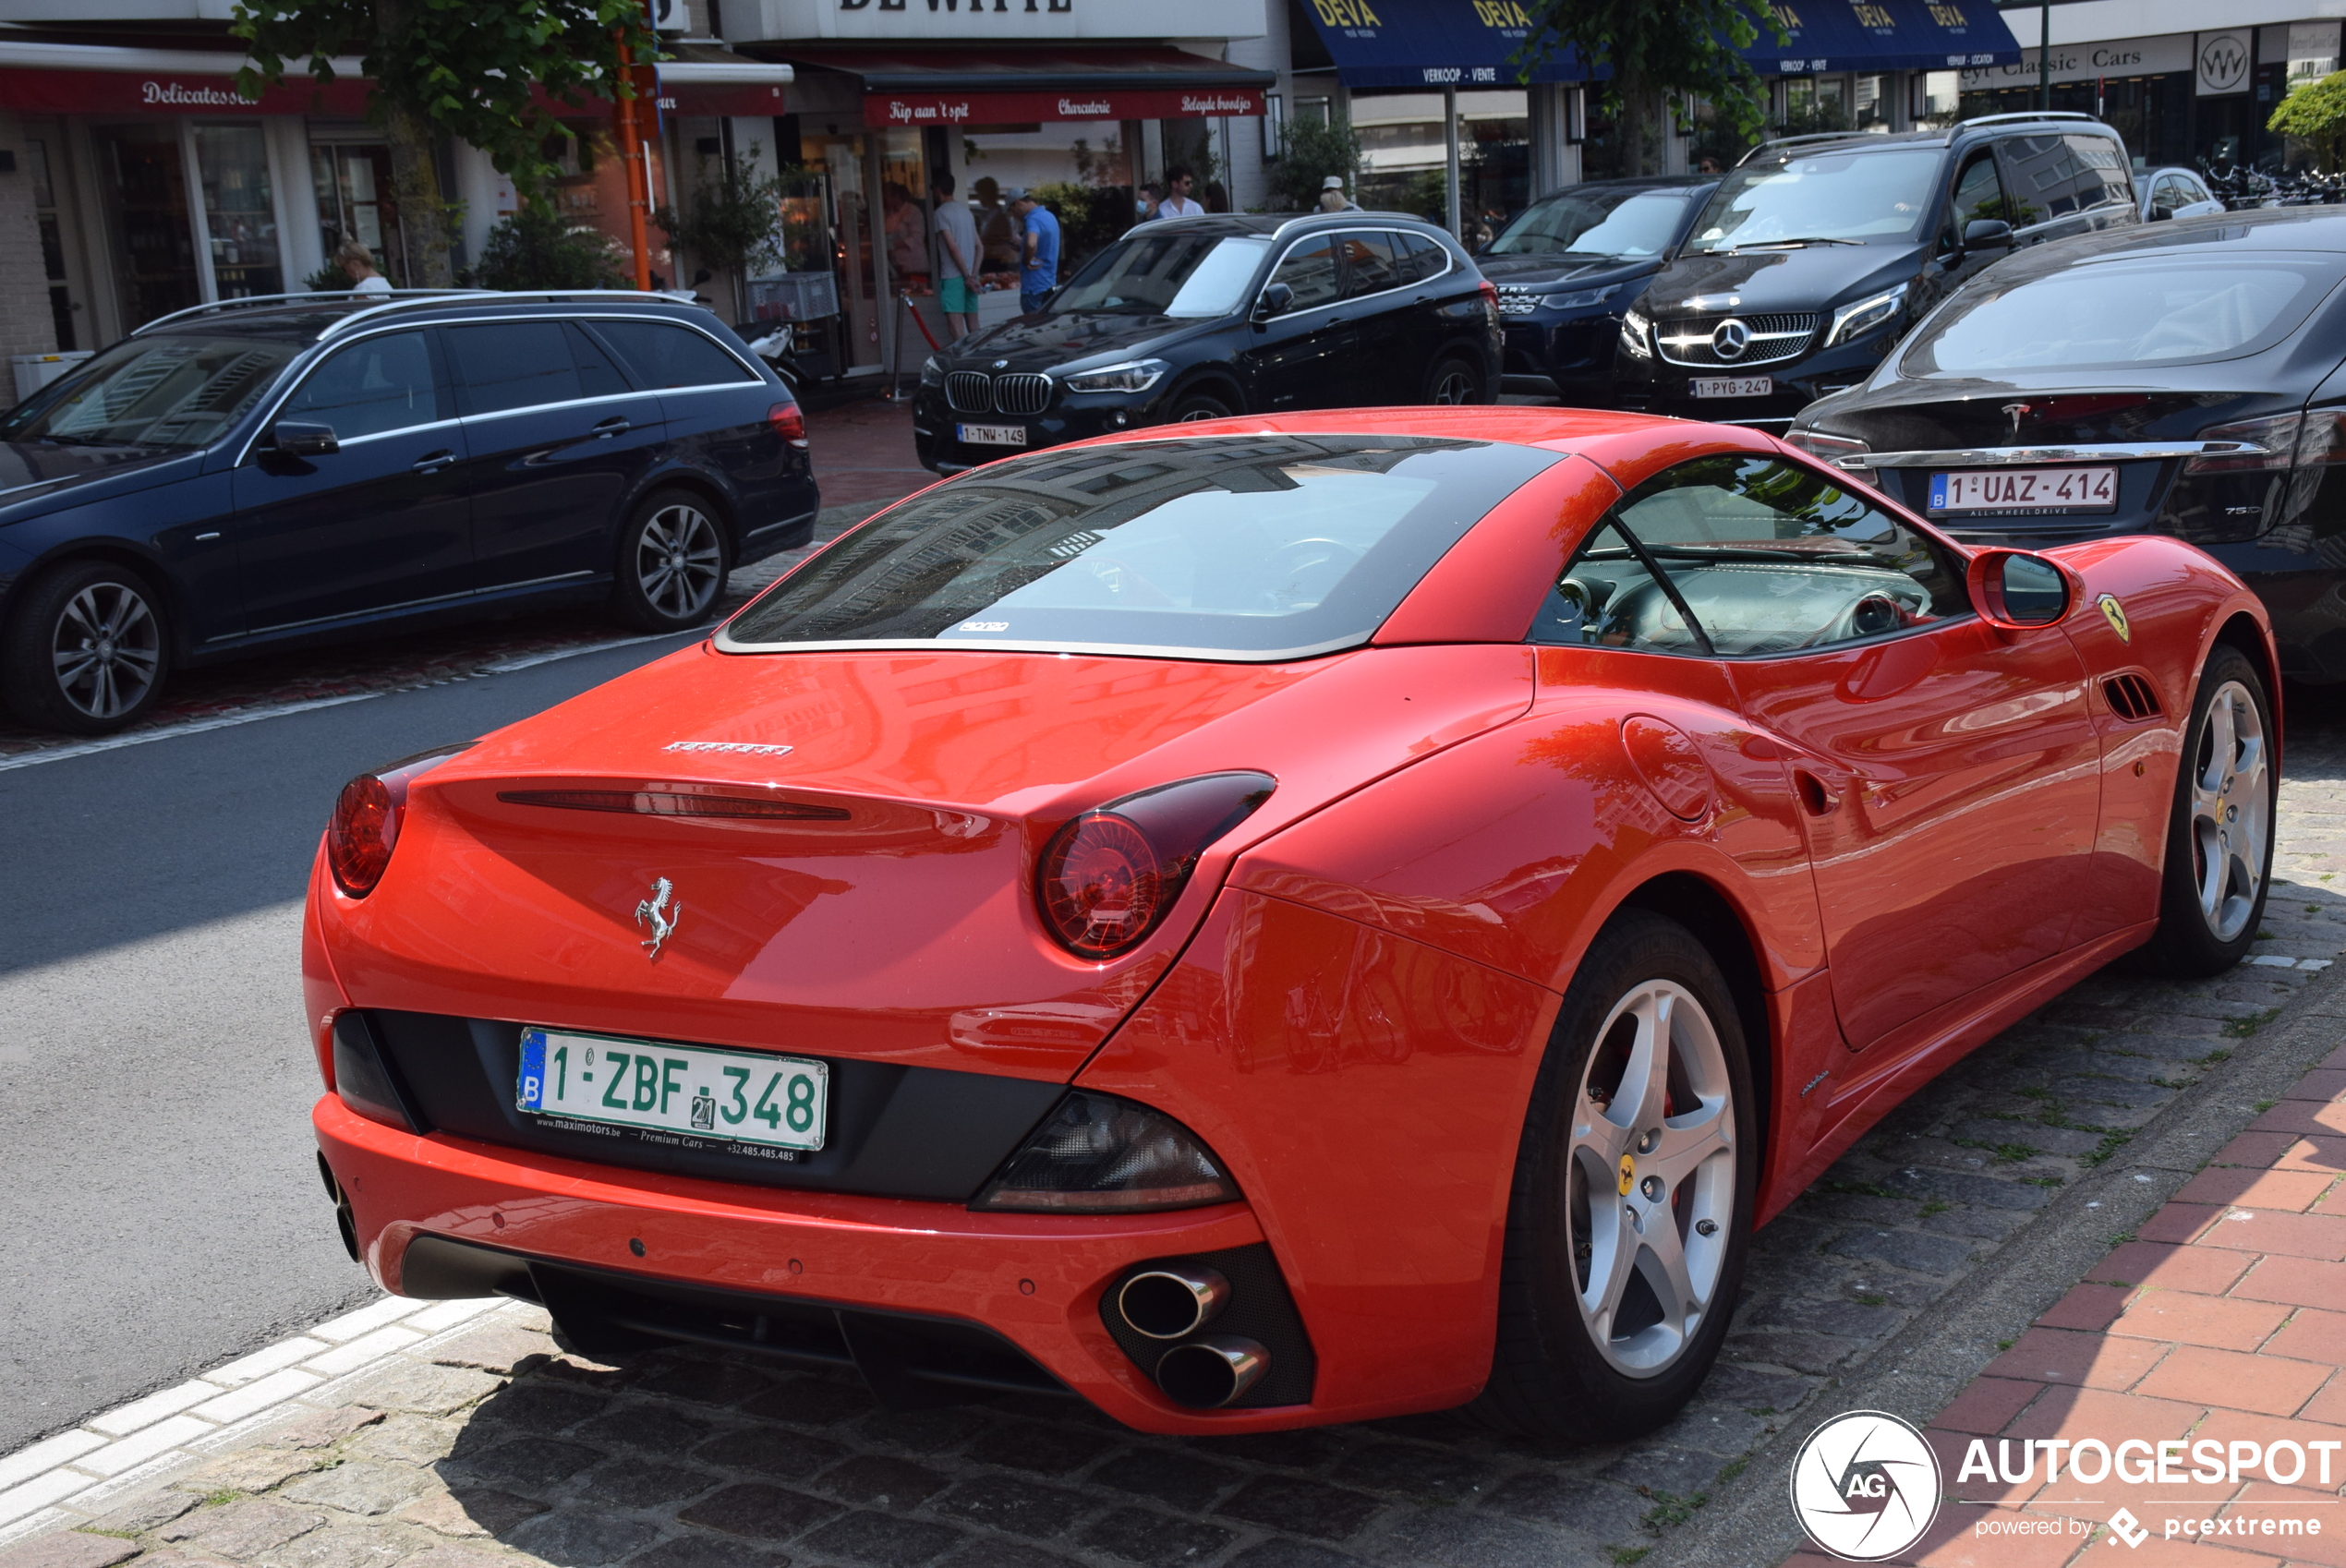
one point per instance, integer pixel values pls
(1032, 1281)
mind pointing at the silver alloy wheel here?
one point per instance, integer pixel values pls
(1455, 386)
(1195, 415)
(106, 649)
(679, 560)
(1652, 1179)
(2230, 809)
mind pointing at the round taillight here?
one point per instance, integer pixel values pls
(358, 841)
(788, 422)
(1102, 885)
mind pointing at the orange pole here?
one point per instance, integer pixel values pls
(631, 154)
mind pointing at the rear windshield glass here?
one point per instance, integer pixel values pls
(2134, 310)
(1249, 547)
(165, 392)
(1847, 197)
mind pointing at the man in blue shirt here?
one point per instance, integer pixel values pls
(1039, 273)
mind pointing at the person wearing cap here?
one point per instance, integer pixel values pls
(1332, 197)
(1040, 273)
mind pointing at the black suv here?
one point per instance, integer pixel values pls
(266, 474)
(1197, 318)
(1815, 254)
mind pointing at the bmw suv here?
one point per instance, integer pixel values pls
(1188, 318)
(268, 474)
(1815, 254)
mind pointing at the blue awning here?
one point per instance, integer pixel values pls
(1470, 43)
(1883, 35)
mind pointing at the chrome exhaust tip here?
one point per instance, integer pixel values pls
(1206, 1374)
(1170, 1303)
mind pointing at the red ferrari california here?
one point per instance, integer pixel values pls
(1278, 922)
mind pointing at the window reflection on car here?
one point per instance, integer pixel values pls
(1166, 274)
(1608, 223)
(2127, 310)
(160, 391)
(1844, 197)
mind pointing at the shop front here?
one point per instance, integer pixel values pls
(2193, 98)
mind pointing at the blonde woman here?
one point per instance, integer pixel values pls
(358, 265)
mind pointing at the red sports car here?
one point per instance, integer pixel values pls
(1278, 922)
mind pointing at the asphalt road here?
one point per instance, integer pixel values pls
(160, 1207)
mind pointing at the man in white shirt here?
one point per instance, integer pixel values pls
(1177, 202)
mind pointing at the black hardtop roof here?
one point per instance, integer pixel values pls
(2306, 231)
(310, 317)
(2049, 122)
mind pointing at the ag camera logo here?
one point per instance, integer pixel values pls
(1865, 1486)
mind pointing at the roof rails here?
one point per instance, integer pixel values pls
(1798, 140)
(2022, 115)
(393, 299)
(1356, 215)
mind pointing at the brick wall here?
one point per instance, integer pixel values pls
(24, 289)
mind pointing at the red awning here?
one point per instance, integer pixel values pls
(1026, 108)
(135, 91)
(912, 86)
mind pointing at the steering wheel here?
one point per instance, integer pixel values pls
(1327, 559)
(1872, 614)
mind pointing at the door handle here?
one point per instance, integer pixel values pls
(614, 425)
(1816, 797)
(433, 462)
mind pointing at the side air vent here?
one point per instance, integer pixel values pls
(2131, 698)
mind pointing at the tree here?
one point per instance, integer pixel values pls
(535, 249)
(1653, 48)
(734, 223)
(2315, 113)
(1313, 150)
(494, 75)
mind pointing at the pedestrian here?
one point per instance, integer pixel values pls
(907, 229)
(1145, 208)
(1332, 197)
(956, 242)
(1040, 274)
(1177, 202)
(358, 264)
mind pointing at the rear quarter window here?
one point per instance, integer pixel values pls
(663, 354)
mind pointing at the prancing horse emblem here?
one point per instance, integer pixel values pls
(659, 915)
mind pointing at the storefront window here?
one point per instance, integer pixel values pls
(904, 201)
(2152, 113)
(143, 170)
(352, 183)
(240, 220)
(53, 243)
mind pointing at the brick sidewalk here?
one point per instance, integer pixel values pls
(2222, 1319)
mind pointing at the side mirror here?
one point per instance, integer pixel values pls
(2013, 590)
(294, 439)
(1275, 299)
(1987, 234)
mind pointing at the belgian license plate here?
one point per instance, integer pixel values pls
(1735, 386)
(2025, 489)
(993, 435)
(693, 1095)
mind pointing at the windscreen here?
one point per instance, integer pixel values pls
(1826, 197)
(160, 391)
(2134, 310)
(1251, 548)
(1596, 222)
(1166, 274)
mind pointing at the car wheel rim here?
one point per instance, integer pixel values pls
(679, 560)
(1651, 1180)
(1454, 388)
(107, 650)
(1194, 414)
(2231, 810)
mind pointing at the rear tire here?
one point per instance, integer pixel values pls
(1454, 380)
(2220, 831)
(87, 651)
(672, 561)
(1628, 1225)
(1192, 406)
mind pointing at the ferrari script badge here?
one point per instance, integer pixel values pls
(1629, 1174)
(659, 915)
(2115, 613)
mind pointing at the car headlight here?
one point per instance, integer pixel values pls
(932, 373)
(1136, 377)
(1635, 333)
(1851, 321)
(1581, 299)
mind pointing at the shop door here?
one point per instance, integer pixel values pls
(144, 172)
(841, 158)
(240, 217)
(352, 186)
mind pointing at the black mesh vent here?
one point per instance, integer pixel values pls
(1260, 1309)
(2131, 698)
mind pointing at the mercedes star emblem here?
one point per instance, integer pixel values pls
(1730, 339)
